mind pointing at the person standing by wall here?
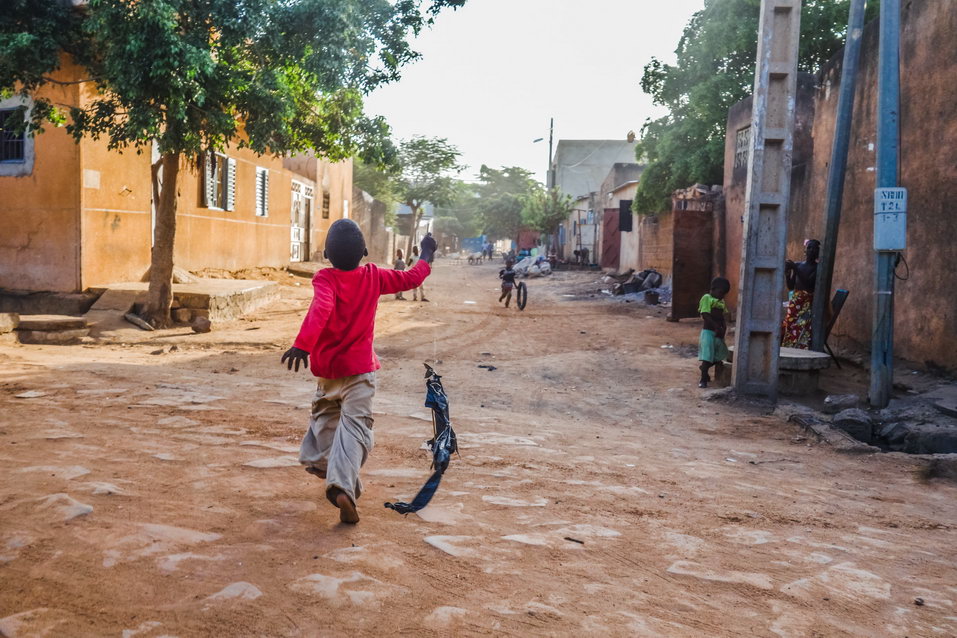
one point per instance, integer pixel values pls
(399, 264)
(800, 278)
(417, 293)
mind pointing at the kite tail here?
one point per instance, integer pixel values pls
(422, 498)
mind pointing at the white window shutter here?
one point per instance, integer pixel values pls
(265, 192)
(209, 179)
(260, 186)
(231, 185)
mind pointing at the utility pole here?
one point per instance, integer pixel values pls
(836, 171)
(758, 337)
(890, 204)
(549, 175)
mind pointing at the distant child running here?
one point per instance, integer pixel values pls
(337, 335)
(507, 275)
(712, 350)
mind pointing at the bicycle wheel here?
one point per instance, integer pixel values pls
(521, 295)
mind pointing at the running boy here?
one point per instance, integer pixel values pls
(337, 334)
(507, 275)
(712, 350)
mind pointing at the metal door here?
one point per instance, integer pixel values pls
(299, 224)
(610, 239)
(691, 262)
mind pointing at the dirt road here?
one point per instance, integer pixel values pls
(597, 493)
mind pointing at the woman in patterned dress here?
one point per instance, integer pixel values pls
(800, 278)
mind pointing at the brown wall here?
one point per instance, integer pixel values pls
(729, 228)
(39, 233)
(236, 239)
(334, 178)
(925, 305)
(656, 243)
(83, 216)
(369, 214)
(115, 211)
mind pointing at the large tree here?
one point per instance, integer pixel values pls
(277, 76)
(379, 179)
(714, 70)
(463, 207)
(428, 167)
(545, 210)
(501, 193)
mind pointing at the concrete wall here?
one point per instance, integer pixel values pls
(369, 213)
(610, 194)
(630, 241)
(39, 230)
(925, 306)
(578, 231)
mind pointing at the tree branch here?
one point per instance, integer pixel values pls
(65, 82)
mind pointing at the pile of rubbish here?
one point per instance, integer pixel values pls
(631, 282)
(533, 267)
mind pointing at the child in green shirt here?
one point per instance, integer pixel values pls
(712, 350)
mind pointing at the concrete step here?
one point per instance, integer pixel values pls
(115, 300)
(8, 322)
(52, 337)
(50, 323)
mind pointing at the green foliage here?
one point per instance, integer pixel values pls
(277, 76)
(427, 169)
(545, 210)
(714, 70)
(460, 217)
(380, 182)
(501, 194)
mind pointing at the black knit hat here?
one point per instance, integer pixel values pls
(345, 245)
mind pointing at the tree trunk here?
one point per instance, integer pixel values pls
(416, 218)
(160, 296)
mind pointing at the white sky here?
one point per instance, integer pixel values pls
(495, 71)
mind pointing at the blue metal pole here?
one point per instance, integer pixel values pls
(888, 148)
(837, 171)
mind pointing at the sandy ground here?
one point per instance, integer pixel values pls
(159, 495)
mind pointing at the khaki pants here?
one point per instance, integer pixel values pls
(339, 437)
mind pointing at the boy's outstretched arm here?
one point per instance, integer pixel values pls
(315, 320)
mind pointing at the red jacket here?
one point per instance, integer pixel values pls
(338, 329)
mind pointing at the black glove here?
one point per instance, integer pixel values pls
(427, 248)
(297, 355)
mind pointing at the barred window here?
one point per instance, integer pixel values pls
(12, 143)
(325, 204)
(742, 147)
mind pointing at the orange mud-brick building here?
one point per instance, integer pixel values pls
(75, 215)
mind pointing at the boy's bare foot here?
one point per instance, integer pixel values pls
(347, 509)
(315, 471)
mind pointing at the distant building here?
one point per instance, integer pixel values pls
(579, 169)
(581, 166)
(619, 243)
